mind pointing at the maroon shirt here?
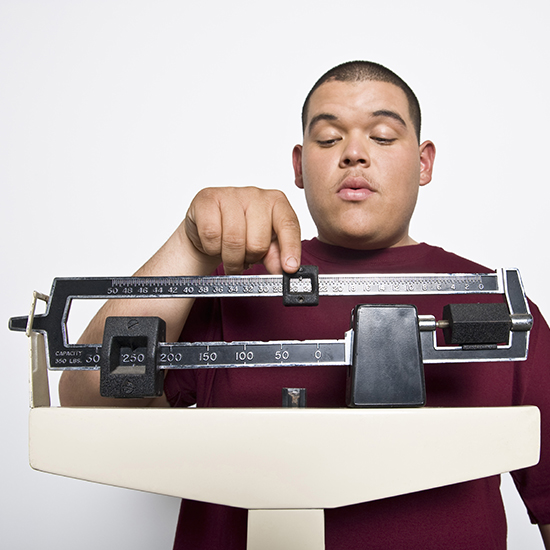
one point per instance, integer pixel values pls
(463, 516)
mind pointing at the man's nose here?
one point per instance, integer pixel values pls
(355, 153)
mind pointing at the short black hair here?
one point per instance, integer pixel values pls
(357, 71)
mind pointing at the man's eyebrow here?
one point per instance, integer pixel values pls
(390, 114)
(318, 118)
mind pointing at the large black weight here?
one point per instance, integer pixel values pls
(129, 357)
(477, 324)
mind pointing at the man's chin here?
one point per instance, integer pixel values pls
(364, 241)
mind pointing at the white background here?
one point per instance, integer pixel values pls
(114, 114)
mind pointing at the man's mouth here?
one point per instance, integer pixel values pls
(355, 189)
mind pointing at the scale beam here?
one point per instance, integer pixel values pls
(136, 347)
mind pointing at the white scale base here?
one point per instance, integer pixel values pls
(284, 465)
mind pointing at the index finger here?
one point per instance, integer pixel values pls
(287, 230)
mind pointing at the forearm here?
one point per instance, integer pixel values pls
(176, 257)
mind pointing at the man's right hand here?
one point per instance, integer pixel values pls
(236, 226)
(241, 226)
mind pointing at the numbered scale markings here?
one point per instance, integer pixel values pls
(242, 354)
(329, 285)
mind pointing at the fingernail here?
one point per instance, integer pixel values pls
(292, 262)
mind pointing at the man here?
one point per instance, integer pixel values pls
(361, 166)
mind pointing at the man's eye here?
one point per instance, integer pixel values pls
(383, 141)
(327, 142)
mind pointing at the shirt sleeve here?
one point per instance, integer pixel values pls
(532, 387)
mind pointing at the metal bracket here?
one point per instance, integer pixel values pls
(35, 297)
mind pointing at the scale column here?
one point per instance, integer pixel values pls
(286, 530)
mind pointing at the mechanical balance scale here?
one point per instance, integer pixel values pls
(240, 457)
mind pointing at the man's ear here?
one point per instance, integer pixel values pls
(297, 164)
(427, 158)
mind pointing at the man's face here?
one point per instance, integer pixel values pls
(361, 165)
